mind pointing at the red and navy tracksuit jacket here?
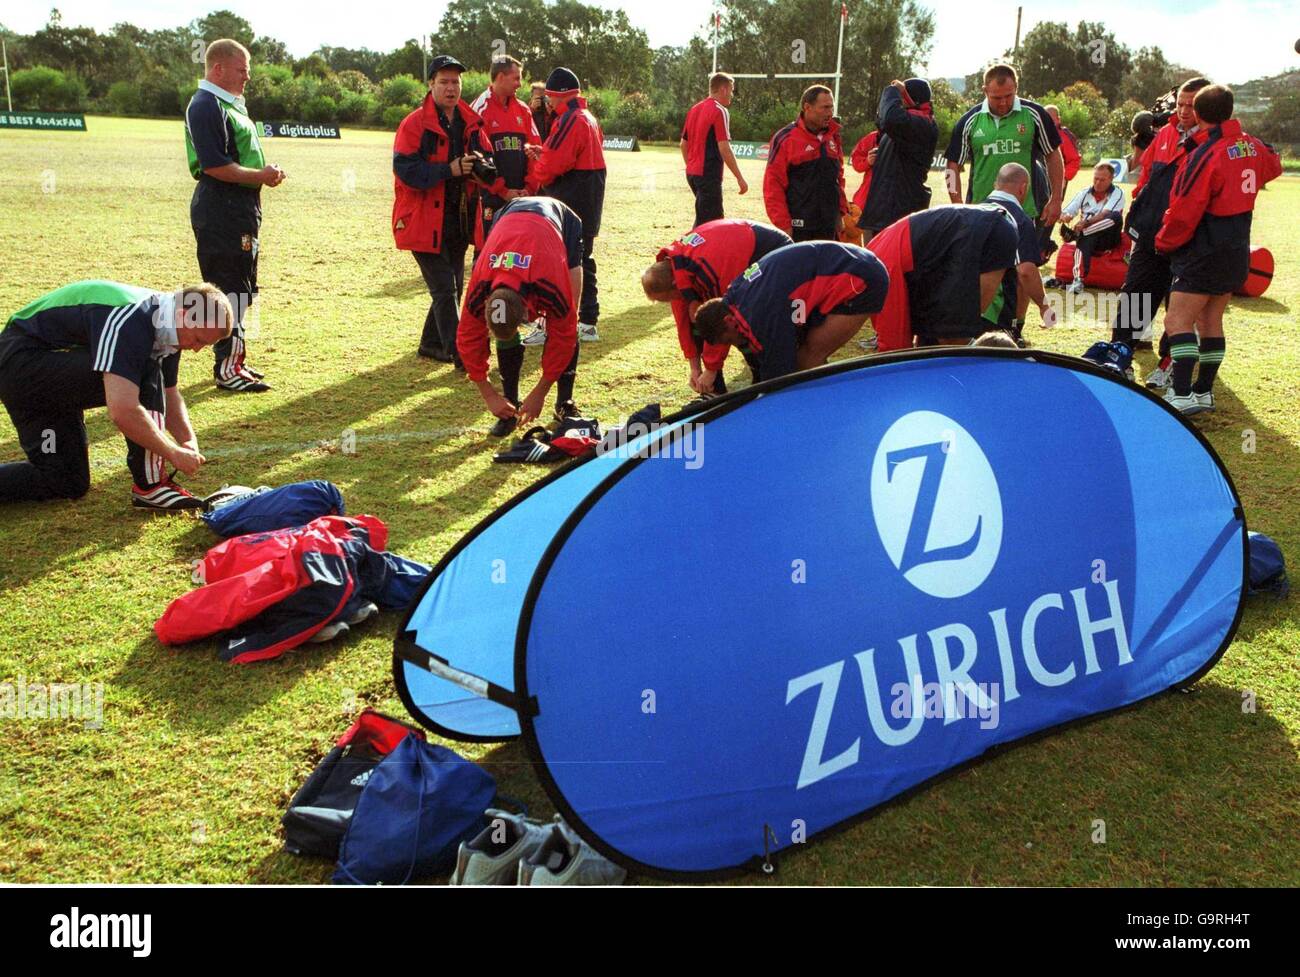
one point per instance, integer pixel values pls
(935, 259)
(421, 168)
(1206, 230)
(265, 593)
(572, 165)
(707, 124)
(508, 128)
(533, 244)
(1160, 162)
(793, 289)
(803, 185)
(907, 144)
(705, 261)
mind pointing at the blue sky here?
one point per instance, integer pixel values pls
(1233, 41)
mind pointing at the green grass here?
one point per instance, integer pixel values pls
(196, 760)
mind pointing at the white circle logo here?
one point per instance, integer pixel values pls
(936, 504)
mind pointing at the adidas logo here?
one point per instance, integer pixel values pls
(360, 779)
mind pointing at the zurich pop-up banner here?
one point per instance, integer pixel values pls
(870, 575)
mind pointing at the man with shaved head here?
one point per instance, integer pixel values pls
(230, 170)
(1020, 284)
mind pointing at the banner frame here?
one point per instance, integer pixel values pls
(733, 401)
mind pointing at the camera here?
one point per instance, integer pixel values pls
(484, 169)
(1163, 108)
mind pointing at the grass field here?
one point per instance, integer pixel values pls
(195, 760)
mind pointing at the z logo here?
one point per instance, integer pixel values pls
(936, 504)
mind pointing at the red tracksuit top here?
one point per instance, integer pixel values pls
(533, 244)
(420, 171)
(705, 261)
(1216, 187)
(572, 165)
(1069, 153)
(507, 129)
(804, 179)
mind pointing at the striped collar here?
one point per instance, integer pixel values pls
(236, 100)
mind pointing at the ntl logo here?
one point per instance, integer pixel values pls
(509, 259)
(938, 513)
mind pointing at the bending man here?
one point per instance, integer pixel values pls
(102, 344)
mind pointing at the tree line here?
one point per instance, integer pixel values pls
(634, 89)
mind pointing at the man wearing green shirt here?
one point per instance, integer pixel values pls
(225, 157)
(104, 344)
(1003, 129)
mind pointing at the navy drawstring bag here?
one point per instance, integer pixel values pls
(420, 803)
(266, 510)
(1267, 567)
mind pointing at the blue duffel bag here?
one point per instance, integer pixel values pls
(267, 509)
(420, 802)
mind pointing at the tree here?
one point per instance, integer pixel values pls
(1048, 59)
(1281, 122)
(268, 50)
(313, 65)
(883, 40)
(1151, 76)
(221, 24)
(1102, 59)
(406, 60)
(341, 59)
(475, 30)
(1051, 58)
(44, 89)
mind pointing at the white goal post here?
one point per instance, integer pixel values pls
(839, 55)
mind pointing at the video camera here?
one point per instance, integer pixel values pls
(1149, 121)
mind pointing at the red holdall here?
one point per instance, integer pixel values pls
(1107, 270)
(1260, 276)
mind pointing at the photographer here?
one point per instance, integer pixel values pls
(438, 147)
(541, 109)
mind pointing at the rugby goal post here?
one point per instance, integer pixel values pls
(839, 55)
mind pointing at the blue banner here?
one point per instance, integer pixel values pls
(878, 572)
(467, 613)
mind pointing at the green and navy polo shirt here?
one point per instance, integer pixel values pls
(1024, 135)
(218, 131)
(130, 331)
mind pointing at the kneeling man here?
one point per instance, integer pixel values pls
(796, 306)
(103, 344)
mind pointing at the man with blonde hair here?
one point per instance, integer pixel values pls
(706, 148)
(104, 344)
(226, 160)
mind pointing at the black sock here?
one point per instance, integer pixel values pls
(564, 386)
(510, 361)
(1212, 348)
(1185, 353)
(1164, 345)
